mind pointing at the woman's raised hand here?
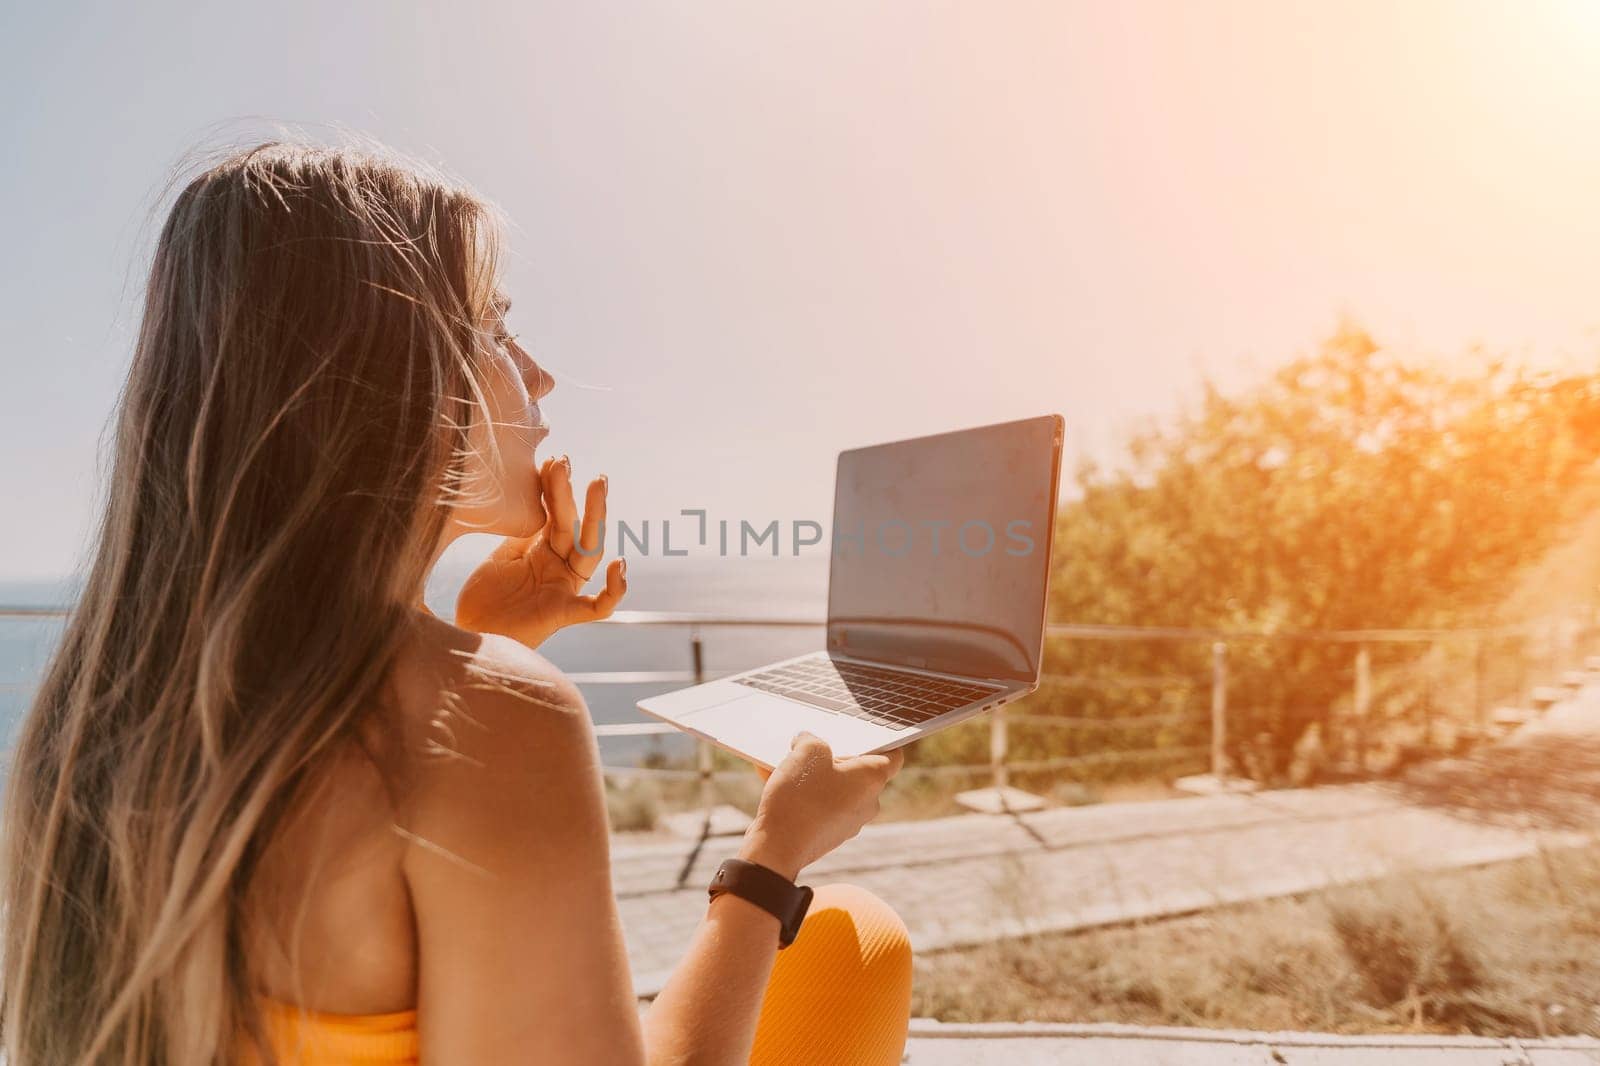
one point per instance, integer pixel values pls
(814, 802)
(529, 587)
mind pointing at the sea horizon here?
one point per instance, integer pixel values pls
(753, 587)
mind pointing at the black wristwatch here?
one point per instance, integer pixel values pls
(767, 889)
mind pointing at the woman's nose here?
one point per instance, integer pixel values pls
(540, 382)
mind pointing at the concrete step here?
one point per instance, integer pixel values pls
(1000, 800)
(1512, 716)
(1546, 696)
(1045, 1044)
(724, 821)
(1212, 785)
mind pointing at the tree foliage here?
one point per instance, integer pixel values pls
(1353, 489)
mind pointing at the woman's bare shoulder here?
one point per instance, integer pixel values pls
(488, 726)
(441, 666)
(508, 864)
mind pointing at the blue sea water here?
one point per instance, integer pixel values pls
(784, 587)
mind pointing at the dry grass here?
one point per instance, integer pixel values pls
(914, 797)
(1505, 950)
(633, 805)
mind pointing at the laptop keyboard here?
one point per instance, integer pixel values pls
(892, 698)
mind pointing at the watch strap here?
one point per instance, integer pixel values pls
(767, 889)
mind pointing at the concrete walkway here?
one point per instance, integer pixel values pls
(933, 1044)
(978, 878)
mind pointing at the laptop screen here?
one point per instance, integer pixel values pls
(941, 549)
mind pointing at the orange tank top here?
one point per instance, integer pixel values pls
(315, 1038)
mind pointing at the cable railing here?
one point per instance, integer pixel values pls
(1439, 684)
(1563, 636)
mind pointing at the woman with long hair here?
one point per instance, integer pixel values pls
(265, 808)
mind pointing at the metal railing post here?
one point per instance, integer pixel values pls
(702, 748)
(997, 749)
(1219, 710)
(1430, 666)
(1480, 694)
(1363, 703)
(1524, 653)
(1552, 652)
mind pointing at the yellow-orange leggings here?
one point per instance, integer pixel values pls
(840, 995)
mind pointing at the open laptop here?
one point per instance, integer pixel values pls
(937, 588)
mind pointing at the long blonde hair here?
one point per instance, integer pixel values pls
(292, 425)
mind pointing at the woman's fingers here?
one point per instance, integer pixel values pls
(887, 764)
(897, 759)
(601, 604)
(511, 548)
(516, 547)
(591, 545)
(560, 506)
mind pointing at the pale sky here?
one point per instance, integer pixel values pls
(751, 234)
